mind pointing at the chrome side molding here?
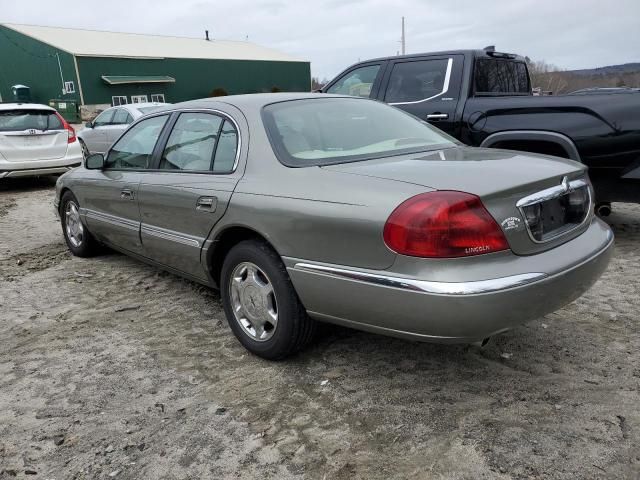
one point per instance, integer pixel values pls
(425, 286)
(111, 219)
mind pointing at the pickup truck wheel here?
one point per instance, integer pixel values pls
(261, 305)
(79, 240)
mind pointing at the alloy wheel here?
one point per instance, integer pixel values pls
(253, 300)
(73, 225)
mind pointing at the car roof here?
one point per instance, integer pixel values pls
(249, 100)
(25, 106)
(478, 53)
(138, 106)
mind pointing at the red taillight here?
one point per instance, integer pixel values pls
(443, 224)
(70, 131)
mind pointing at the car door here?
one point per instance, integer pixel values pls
(427, 87)
(190, 188)
(110, 196)
(96, 137)
(119, 123)
(361, 80)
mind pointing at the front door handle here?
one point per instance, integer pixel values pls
(207, 204)
(127, 194)
(437, 116)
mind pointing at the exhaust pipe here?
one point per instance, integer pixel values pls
(603, 209)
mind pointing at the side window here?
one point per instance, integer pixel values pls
(500, 77)
(120, 117)
(192, 142)
(357, 82)
(414, 81)
(135, 148)
(104, 118)
(225, 156)
(129, 119)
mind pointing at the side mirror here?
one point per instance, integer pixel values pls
(94, 162)
(89, 124)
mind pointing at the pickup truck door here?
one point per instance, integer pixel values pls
(427, 87)
(361, 80)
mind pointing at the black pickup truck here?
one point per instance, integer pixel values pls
(484, 98)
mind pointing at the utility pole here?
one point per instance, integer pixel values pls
(402, 39)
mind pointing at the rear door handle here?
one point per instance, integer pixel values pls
(437, 116)
(207, 204)
(127, 194)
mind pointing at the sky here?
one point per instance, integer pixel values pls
(333, 34)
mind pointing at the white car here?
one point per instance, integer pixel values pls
(106, 128)
(36, 140)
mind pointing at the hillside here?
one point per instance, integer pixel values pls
(565, 81)
(608, 70)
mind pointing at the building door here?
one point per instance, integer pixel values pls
(139, 99)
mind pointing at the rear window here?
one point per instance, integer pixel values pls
(498, 77)
(145, 110)
(27, 119)
(339, 130)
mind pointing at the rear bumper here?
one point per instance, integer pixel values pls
(35, 167)
(451, 312)
(34, 172)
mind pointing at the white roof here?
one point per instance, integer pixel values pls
(114, 44)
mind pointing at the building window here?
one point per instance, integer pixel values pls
(139, 99)
(119, 100)
(157, 97)
(69, 87)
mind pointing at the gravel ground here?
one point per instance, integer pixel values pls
(113, 369)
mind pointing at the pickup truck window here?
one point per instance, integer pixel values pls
(501, 77)
(357, 82)
(416, 81)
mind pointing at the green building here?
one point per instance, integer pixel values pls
(97, 69)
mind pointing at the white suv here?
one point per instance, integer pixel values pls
(35, 140)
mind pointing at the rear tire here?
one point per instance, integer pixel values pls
(261, 305)
(79, 240)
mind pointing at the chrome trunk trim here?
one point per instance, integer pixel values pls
(553, 192)
(564, 188)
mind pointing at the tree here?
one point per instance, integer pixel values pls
(317, 84)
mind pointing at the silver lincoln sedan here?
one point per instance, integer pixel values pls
(302, 208)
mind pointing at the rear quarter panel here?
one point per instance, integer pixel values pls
(313, 214)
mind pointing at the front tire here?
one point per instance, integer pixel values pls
(79, 240)
(261, 305)
(85, 150)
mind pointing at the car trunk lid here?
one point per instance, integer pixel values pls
(501, 179)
